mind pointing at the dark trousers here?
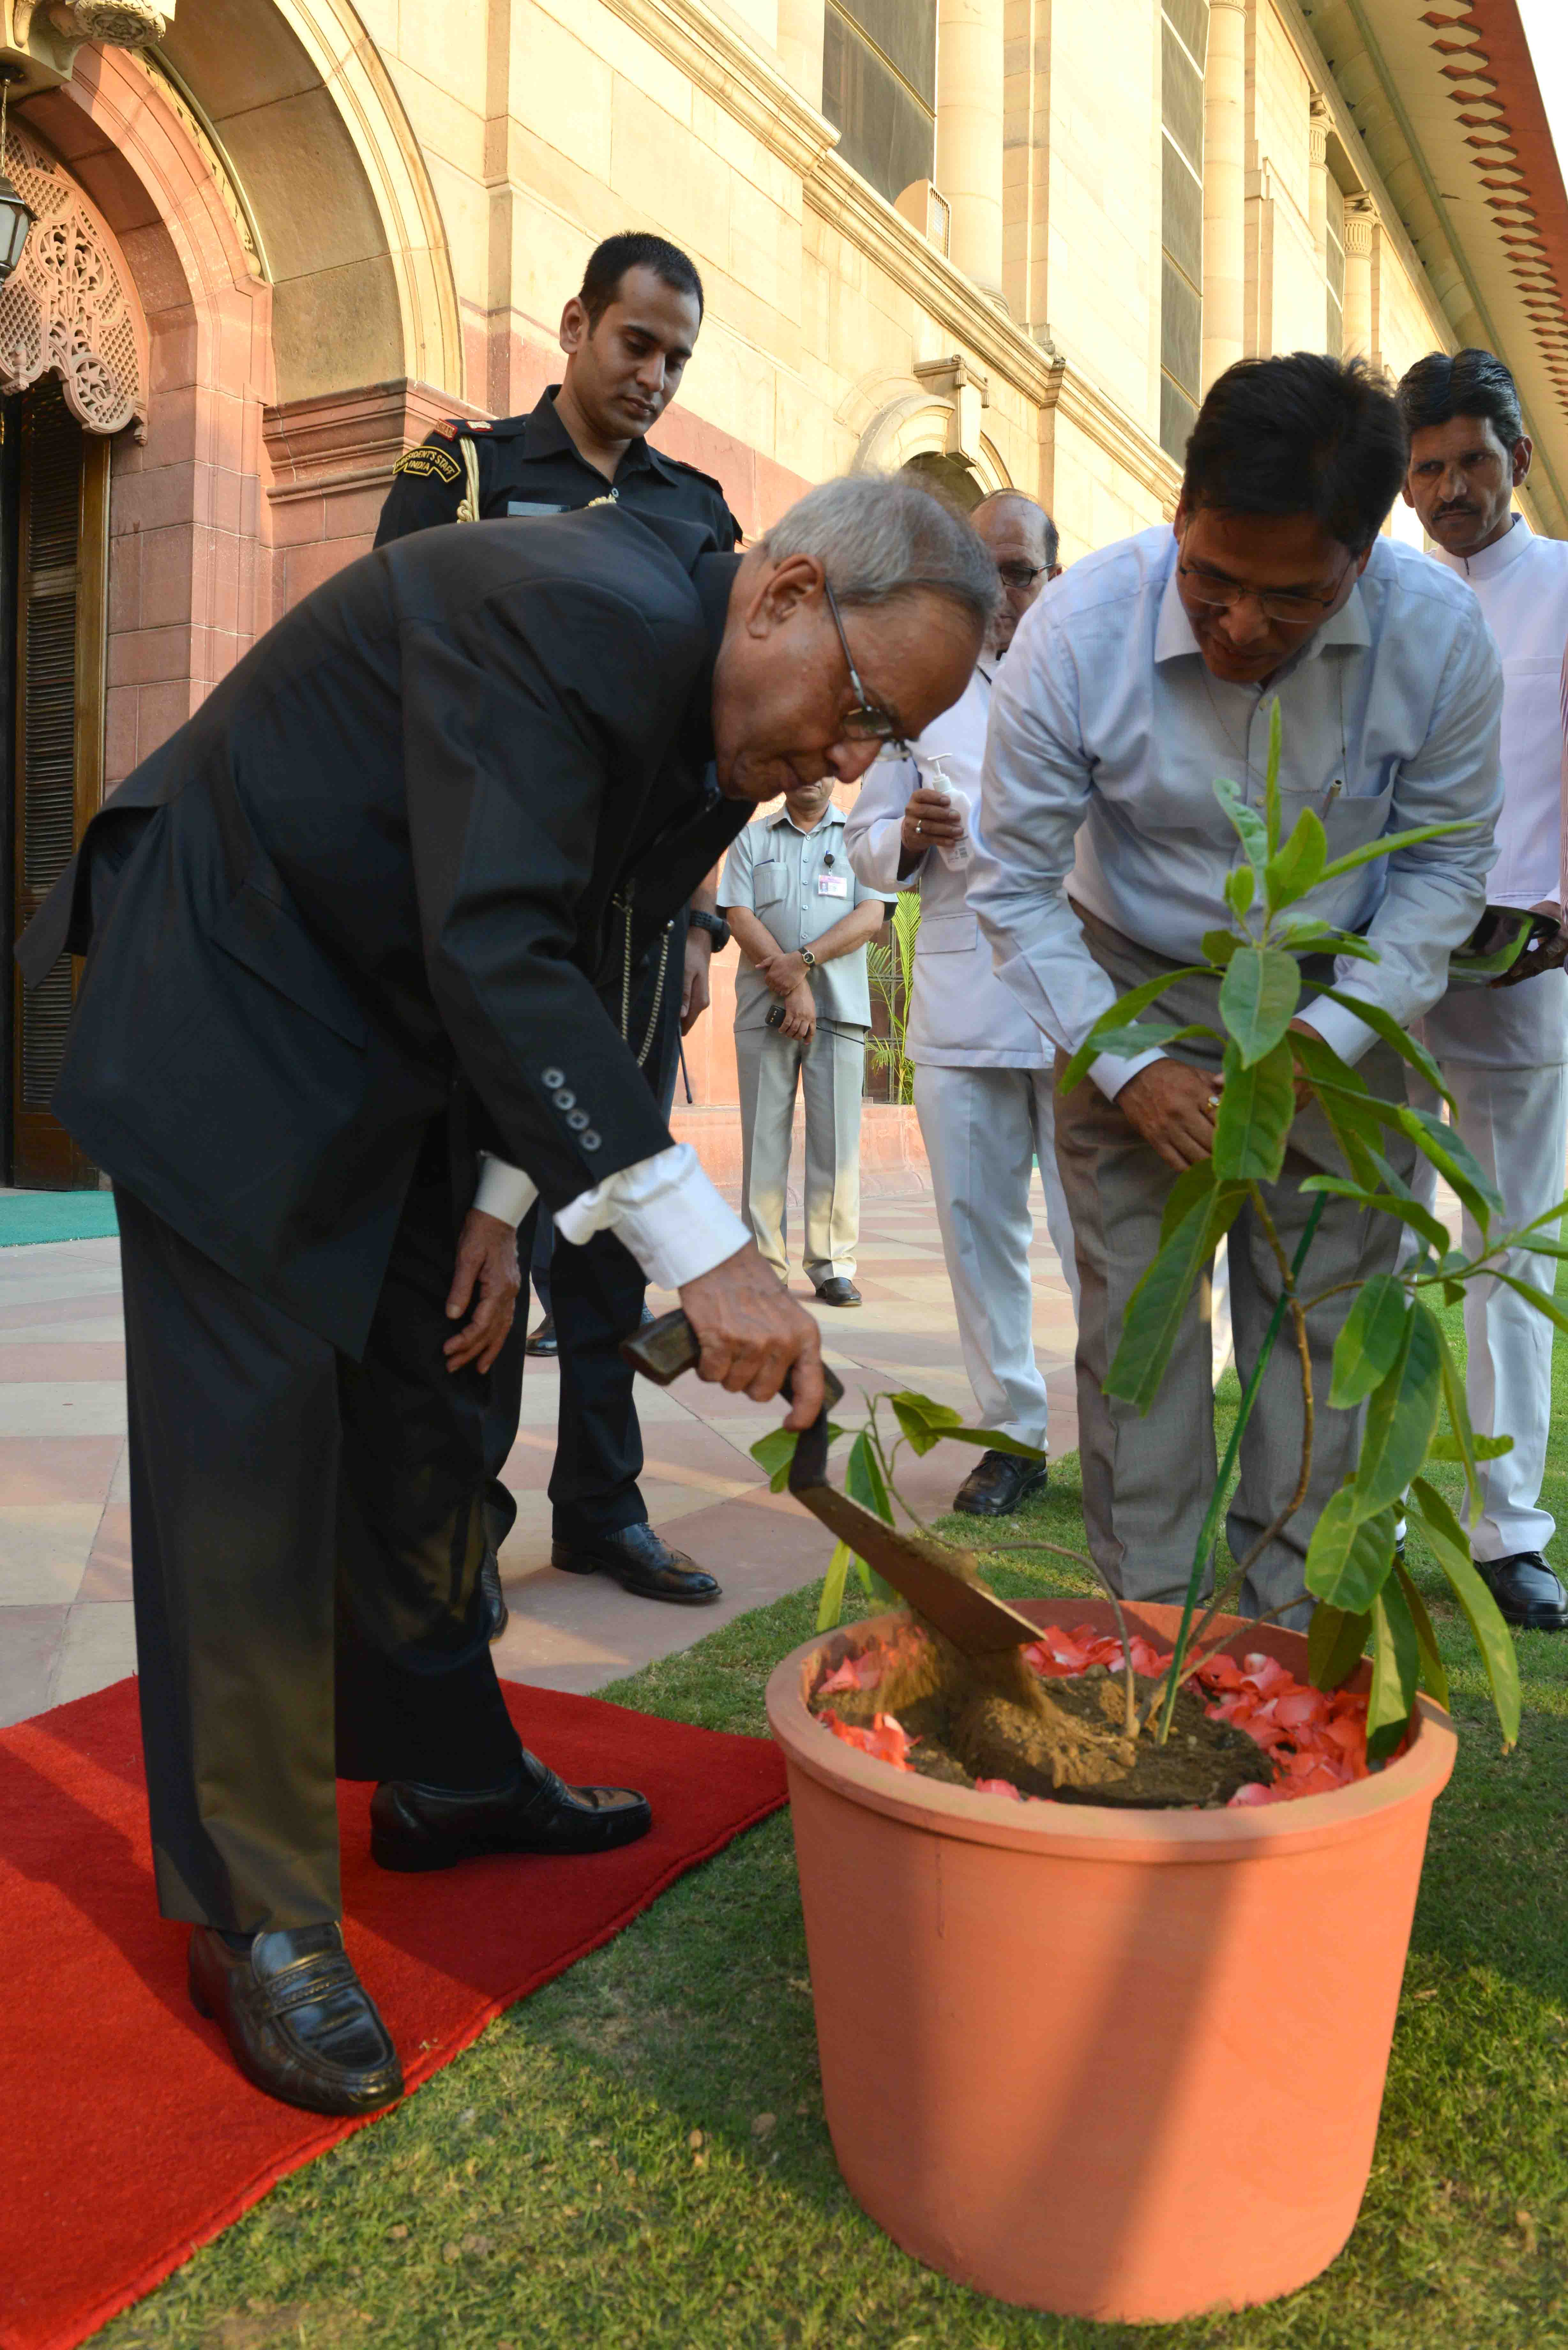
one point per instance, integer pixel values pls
(306, 1536)
(594, 1294)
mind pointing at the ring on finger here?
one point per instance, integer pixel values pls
(1213, 1103)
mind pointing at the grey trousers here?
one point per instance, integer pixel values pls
(1147, 1479)
(982, 1130)
(831, 1072)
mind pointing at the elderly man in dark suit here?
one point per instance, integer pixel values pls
(366, 915)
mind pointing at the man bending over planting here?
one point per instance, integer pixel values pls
(1147, 673)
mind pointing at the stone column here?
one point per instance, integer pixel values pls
(1225, 189)
(1360, 337)
(800, 47)
(970, 135)
(1317, 180)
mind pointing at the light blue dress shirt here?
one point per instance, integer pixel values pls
(1107, 734)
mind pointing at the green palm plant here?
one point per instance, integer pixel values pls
(890, 967)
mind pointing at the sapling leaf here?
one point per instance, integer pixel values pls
(1458, 1405)
(1239, 883)
(863, 1479)
(1250, 829)
(1434, 1675)
(1383, 1024)
(1144, 1037)
(830, 1608)
(1336, 1642)
(1349, 1555)
(1367, 1347)
(1451, 1549)
(1401, 1416)
(1155, 1306)
(1193, 1184)
(1272, 779)
(775, 1454)
(1294, 869)
(1120, 1015)
(1258, 997)
(1220, 945)
(1538, 1298)
(1389, 844)
(1453, 1158)
(1395, 1666)
(1445, 1446)
(1257, 1106)
(1306, 935)
(914, 1414)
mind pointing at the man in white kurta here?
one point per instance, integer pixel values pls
(983, 1071)
(1503, 1050)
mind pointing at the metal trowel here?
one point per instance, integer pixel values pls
(974, 1619)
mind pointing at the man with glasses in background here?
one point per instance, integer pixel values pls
(984, 1074)
(803, 921)
(1101, 861)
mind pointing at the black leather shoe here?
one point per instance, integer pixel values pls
(496, 1608)
(1528, 1594)
(414, 1827)
(641, 1563)
(543, 1341)
(298, 2019)
(837, 1289)
(998, 1482)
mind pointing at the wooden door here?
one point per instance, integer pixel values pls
(62, 576)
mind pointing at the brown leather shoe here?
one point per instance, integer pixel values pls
(641, 1563)
(415, 1827)
(299, 2023)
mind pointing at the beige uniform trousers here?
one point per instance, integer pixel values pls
(831, 1073)
(1148, 1479)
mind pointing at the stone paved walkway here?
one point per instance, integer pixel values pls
(65, 1532)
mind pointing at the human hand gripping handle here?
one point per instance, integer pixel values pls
(739, 1327)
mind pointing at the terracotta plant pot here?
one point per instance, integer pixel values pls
(1116, 2064)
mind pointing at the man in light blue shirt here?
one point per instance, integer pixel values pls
(1146, 673)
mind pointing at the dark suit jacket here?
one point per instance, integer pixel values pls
(381, 861)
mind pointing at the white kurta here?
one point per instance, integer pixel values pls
(1503, 1051)
(984, 1080)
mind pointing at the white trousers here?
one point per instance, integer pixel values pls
(831, 1073)
(1516, 1122)
(983, 1130)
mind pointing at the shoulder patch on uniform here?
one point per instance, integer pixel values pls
(447, 427)
(432, 464)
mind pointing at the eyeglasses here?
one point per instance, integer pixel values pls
(1211, 594)
(864, 721)
(1021, 575)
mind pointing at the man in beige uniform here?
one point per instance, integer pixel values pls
(802, 922)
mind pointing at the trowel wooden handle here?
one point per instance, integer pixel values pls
(662, 1350)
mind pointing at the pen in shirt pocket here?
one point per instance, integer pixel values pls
(1332, 794)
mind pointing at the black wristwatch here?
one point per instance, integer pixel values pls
(717, 927)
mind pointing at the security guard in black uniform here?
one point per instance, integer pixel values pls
(627, 335)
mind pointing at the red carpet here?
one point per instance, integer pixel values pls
(130, 2138)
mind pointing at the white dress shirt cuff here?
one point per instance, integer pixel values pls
(1111, 1075)
(502, 1190)
(1339, 1028)
(667, 1213)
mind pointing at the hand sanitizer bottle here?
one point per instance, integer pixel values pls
(957, 854)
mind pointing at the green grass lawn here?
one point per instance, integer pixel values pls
(636, 2157)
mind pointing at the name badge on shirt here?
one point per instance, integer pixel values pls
(832, 885)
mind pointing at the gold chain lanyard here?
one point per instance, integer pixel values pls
(623, 904)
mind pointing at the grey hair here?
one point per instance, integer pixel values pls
(1052, 536)
(879, 537)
